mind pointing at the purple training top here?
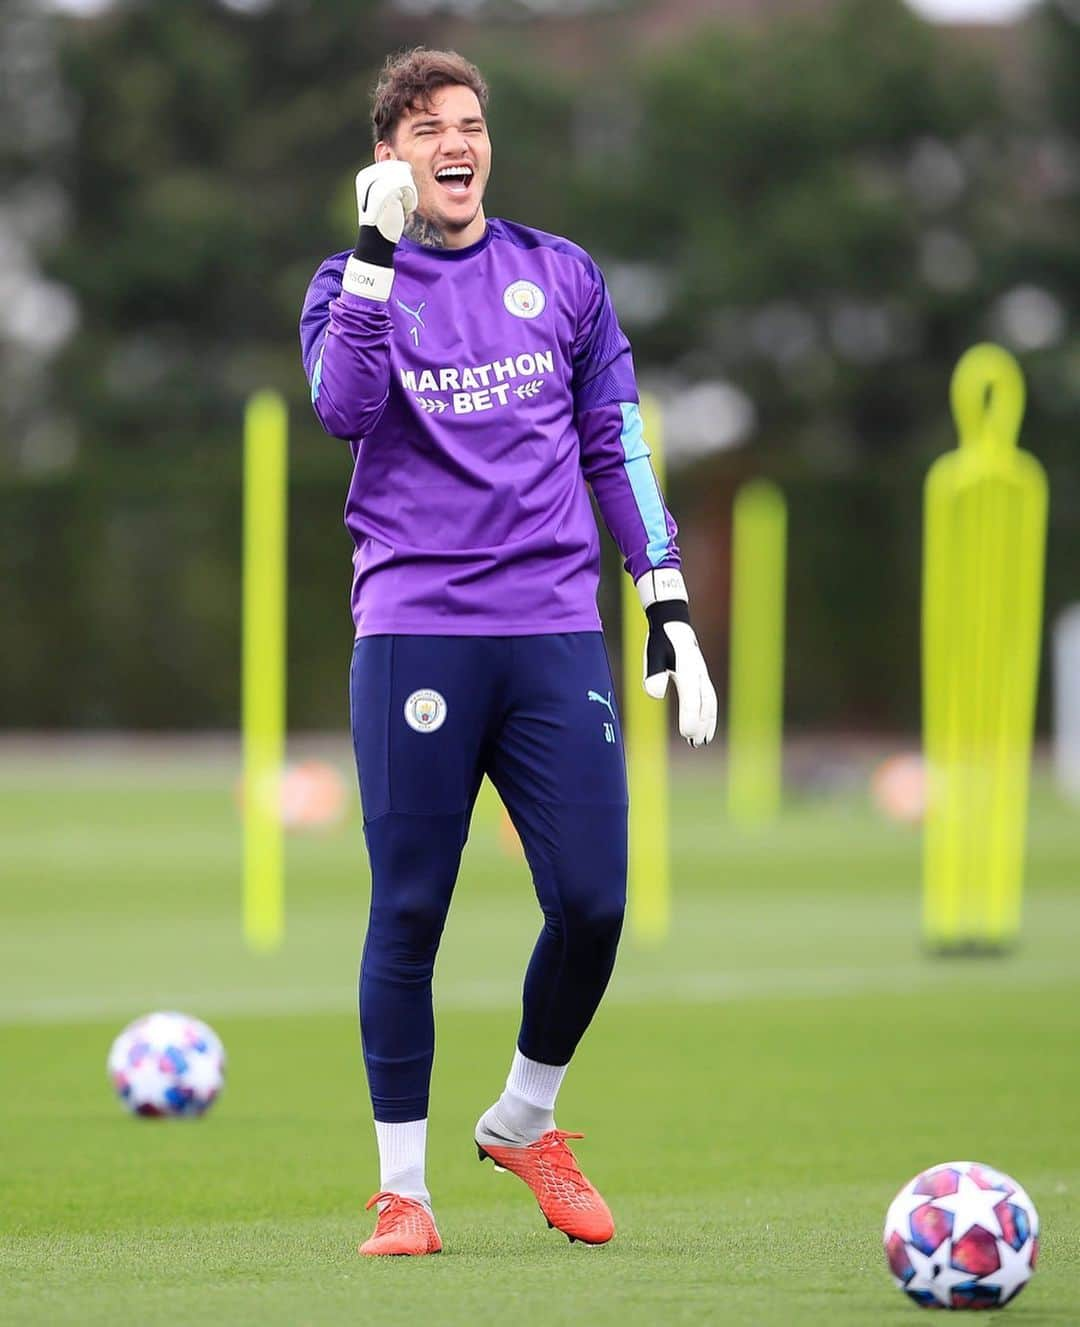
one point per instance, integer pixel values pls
(480, 401)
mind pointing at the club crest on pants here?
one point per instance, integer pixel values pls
(425, 711)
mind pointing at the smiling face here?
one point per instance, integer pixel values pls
(446, 143)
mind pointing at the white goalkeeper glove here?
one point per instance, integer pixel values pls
(385, 195)
(672, 651)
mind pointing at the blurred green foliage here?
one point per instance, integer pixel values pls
(822, 211)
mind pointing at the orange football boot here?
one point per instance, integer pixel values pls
(565, 1196)
(404, 1227)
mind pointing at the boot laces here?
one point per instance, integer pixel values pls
(556, 1152)
(395, 1211)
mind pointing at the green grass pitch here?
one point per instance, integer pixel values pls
(753, 1093)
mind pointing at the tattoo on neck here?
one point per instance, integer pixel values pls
(422, 231)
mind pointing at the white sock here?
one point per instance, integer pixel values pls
(401, 1159)
(526, 1108)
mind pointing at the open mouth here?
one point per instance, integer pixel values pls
(455, 179)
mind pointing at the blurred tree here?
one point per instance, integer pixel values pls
(36, 315)
(1042, 268)
(820, 198)
(211, 143)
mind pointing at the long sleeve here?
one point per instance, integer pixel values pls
(345, 343)
(615, 456)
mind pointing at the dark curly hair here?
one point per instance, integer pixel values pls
(409, 78)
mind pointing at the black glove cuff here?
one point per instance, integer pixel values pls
(373, 247)
(667, 610)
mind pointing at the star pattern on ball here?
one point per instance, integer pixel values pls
(972, 1205)
(148, 1083)
(935, 1273)
(898, 1216)
(1015, 1269)
(203, 1075)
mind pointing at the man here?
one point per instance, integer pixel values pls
(479, 374)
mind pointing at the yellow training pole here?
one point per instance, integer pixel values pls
(645, 727)
(756, 682)
(265, 485)
(983, 555)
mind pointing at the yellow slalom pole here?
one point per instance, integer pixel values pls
(756, 683)
(265, 488)
(645, 734)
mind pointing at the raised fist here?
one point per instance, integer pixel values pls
(385, 195)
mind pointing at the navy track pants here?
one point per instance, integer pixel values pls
(431, 715)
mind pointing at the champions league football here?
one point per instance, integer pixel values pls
(962, 1235)
(167, 1065)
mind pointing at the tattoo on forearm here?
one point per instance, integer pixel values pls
(422, 231)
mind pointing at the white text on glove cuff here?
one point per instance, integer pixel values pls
(657, 586)
(368, 280)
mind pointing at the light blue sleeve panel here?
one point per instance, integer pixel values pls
(316, 377)
(615, 459)
(643, 485)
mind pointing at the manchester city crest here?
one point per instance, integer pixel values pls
(524, 299)
(425, 711)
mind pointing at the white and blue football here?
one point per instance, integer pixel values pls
(167, 1065)
(962, 1236)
